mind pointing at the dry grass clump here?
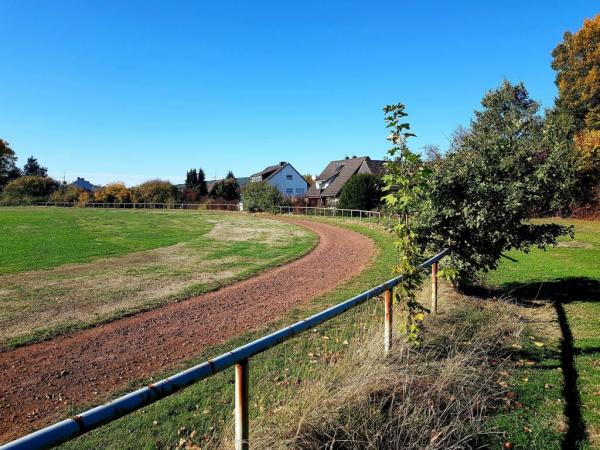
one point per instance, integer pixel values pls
(434, 396)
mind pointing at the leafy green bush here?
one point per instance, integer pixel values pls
(261, 197)
(362, 191)
(29, 189)
(481, 194)
(227, 189)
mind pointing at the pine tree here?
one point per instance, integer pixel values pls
(32, 168)
(201, 183)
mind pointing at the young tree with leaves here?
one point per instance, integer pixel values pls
(405, 182)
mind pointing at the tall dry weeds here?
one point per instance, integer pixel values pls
(431, 397)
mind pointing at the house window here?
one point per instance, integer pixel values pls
(299, 191)
(288, 177)
(289, 191)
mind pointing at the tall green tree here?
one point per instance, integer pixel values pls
(362, 191)
(32, 168)
(485, 189)
(201, 183)
(8, 164)
(191, 179)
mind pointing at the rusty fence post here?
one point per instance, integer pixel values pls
(387, 332)
(434, 288)
(242, 433)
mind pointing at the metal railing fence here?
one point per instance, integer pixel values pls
(70, 428)
(358, 214)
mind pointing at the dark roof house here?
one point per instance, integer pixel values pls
(328, 185)
(84, 184)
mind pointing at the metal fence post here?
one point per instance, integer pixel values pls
(241, 406)
(387, 332)
(434, 287)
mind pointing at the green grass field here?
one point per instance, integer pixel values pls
(66, 269)
(36, 238)
(558, 378)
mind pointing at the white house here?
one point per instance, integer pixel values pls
(284, 177)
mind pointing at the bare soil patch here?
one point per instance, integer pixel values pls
(42, 381)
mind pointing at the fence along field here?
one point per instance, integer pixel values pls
(64, 269)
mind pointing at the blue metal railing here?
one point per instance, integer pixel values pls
(95, 417)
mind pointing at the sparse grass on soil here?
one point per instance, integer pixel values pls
(67, 269)
(557, 379)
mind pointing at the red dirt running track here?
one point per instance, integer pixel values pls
(40, 381)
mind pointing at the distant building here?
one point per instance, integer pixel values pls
(84, 184)
(284, 177)
(326, 189)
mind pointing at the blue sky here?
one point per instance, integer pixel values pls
(131, 90)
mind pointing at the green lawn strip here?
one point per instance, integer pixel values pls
(557, 386)
(42, 238)
(202, 412)
(251, 258)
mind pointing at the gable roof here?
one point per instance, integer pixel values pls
(271, 171)
(268, 172)
(337, 173)
(373, 166)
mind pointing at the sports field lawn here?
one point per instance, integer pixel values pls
(557, 381)
(65, 269)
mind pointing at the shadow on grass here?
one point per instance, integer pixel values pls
(558, 292)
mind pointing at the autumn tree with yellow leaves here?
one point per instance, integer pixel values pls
(577, 63)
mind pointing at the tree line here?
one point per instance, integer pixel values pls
(32, 184)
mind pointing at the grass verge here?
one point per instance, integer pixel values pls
(557, 378)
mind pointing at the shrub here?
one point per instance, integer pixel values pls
(155, 191)
(481, 194)
(261, 197)
(362, 191)
(29, 189)
(227, 189)
(69, 194)
(113, 193)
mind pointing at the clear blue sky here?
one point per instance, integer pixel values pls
(131, 90)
